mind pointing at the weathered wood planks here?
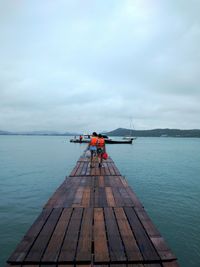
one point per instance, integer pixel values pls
(93, 219)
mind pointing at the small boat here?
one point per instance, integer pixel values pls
(111, 141)
(129, 138)
(79, 141)
(86, 139)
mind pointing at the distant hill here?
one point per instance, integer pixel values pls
(4, 132)
(119, 132)
(155, 133)
(48, 133)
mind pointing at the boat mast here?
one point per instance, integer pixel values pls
(131, 127)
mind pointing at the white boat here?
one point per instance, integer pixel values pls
(86, 139)
(129, 138)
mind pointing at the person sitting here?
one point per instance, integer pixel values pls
(101, 148)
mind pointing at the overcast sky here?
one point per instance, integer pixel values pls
(92, 65)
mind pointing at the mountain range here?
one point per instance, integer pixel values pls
(119, 132)
(155, 133)
(50, 133)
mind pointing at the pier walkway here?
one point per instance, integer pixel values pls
(93, 219)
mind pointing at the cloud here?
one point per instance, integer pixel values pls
(73, 65)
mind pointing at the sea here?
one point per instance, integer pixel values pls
(164, 173)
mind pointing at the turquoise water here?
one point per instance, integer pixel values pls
(164, 172)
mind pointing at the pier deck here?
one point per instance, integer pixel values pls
(93, 219)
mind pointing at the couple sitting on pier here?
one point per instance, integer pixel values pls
(97, 148)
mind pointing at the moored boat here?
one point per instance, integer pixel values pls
(86, 139)
(111, 141)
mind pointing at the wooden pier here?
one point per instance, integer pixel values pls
(93, 219)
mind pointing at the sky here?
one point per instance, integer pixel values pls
(92, 65)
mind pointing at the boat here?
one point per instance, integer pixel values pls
(111, 141)
(129, 138)
(86, 139)
(78, 141)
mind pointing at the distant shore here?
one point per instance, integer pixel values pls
(194, 133)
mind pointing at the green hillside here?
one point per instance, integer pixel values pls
(155, 133)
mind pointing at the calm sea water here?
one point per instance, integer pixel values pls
(164, 172)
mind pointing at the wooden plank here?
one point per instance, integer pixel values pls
(137, 265)
(116, 249)
(43, 238)
(54, 246)
(97, 170)
(153, 265)
(170, 264)
(102, 200)
(84, 169)
(118, 182)
(96, 197)
(125, 196)
(68, 250)
(88, 169)
(96, 181)
(24, 246)
(130, 244)
(101, 181)
(118, 199)
(134, 198)
(79, 170)
(89, 181)
(86, 197)
(83, 180)
(83, 158)
(111, 169)
(124, 182)
(162, 248)
(58, 193)
(72, 180)
(146, 247)
(78, 197)
(92, 193)
(69, 196)
(150, 228)
(101, 253)
(102, 171)
(117, 172)
(92, 170)
(107, 181)
(75, 169)
(84, 250)
(110, 197)
(112, 181)
(107, 171)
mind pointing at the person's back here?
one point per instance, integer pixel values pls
(101, 142)
(93, 146)
(94, 140)
(100, 149)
